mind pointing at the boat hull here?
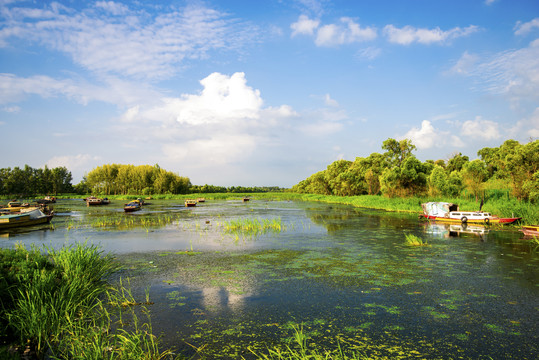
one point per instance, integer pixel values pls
(491, 220)
(530, 230)
(22, 220)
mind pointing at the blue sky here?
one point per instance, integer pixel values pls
(261, 93)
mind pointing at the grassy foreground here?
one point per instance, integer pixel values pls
(56, 304)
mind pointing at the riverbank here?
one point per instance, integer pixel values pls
(502, 207)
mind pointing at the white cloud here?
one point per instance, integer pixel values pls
(481, 129)
(223, 98)
(410, 34)
(345, 32)
(77, 164)
(369, 53)
(525, 28)
(304, 26)
(465, 64)
(512, 73)
(223, 123)
(490, 2)
(121, 42)
(527, 128)
(426, 137)
(330, 102)
(113, 91)
(11, 109)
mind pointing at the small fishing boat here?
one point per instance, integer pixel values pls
(530, 230)
(190, 203)
(29, 217)
(92, 200)
(201, 200)
(449, 212)
(132, 206)
(245, 199)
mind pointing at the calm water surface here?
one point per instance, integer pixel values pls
(342, 274)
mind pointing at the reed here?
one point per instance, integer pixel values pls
(413, 240)
(302, 351)
(253, 226)
(57, 303)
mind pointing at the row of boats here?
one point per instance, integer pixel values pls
(17, 214)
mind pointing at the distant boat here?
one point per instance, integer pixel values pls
(530, 230)
(132, 206)
(245, 199)
(190, 203)
(449, 212)
(201, 200)
(32, 216)
(92, 200)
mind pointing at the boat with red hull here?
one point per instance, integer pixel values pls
(449, 212)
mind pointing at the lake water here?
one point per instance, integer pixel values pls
(344, 275)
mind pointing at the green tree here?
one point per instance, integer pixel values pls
(474, 174)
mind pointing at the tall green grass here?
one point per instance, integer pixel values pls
(57, 303)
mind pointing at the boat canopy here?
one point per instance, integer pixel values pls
(438, 208)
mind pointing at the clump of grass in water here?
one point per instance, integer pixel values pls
(253, 226)
(302, 351)
(60, 305)
(413, 240)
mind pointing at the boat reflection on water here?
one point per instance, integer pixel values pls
(441, 230)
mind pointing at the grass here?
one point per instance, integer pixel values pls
(57, 302)
(413, 240)
(253, 226)
(302, 351)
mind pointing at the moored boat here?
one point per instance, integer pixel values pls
(190, 203)
(530, 230)
(245, 199)
(449, 212)
(29, 217)
(132, 206)
(92, 200)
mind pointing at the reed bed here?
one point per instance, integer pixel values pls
(253, 226)
(58, 304)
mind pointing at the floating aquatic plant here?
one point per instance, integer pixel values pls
(414, 240)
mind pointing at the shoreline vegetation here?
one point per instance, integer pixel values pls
(503, 206)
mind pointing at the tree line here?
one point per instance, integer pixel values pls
(117, 179)
(398, 173)
(30, 181)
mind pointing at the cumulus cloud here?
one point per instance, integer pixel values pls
(223, 98)
(409, 34)
(427, 136)
(481, 129)
(525, 28)
(304, 26)
(223, 123)
(108, 38)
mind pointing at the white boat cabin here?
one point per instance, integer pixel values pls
(451, 211)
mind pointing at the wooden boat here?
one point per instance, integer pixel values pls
(530, 230)
(92, 200)
(190, 203)
(24, 218)
(132, 206)
(245, 199)
(449, 212)
(46, 200)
